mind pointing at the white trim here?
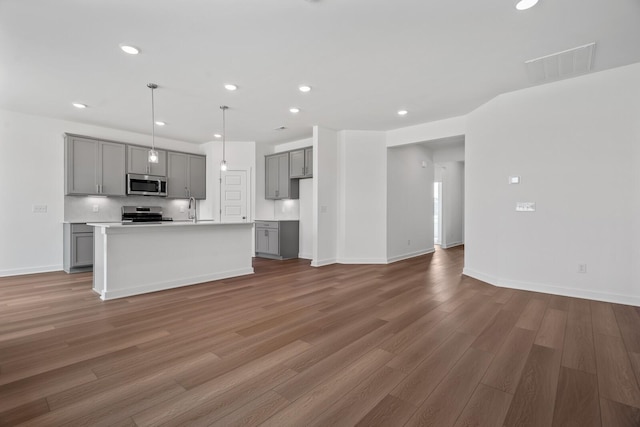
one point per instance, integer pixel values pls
(553, 289)
(362, 261)
(323, 262)
(410, 255)
(161, 286)
(305, 256)
(451, 245)
(30, 270)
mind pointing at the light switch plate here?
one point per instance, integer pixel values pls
(39, 209)
(526, 207)
(514, 180)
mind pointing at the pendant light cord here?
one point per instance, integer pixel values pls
(153, 86)
(153, 120)
(224, 109)
(224, 133)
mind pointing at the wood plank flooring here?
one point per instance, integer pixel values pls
(407, 344)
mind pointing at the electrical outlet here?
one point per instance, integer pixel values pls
(96, 208)
(408, 242)
(39, 209)
(182, 209)
(526, 207)
(582, 268)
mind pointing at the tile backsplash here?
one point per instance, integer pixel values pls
(286, 209)
(82, 209)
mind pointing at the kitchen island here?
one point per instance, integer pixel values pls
(134, 259)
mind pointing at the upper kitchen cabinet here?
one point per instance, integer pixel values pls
(301, 163)
(187, 176)
(278, 185)
(94, 167)
(138, 161)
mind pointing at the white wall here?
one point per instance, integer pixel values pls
(427, 131)
(362, 195)
(452, 178)
(32, 173)
(306, 238)
(409, 202)
(325, 192)
(575, 145)
(455, 153)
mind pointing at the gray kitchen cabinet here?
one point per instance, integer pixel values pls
(301, 163)
(308, 162)
(277, 239)
(198, 177)
(278, 184)
(187, 176)
(78, 247)
(94, 167)
(138, 161)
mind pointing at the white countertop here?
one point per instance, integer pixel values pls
(200, 222)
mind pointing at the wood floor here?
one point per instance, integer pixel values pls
(411, 343)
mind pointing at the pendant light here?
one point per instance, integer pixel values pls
(153, 154)
(223, 163)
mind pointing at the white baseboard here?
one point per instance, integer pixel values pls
(553, 289)
(305, 256)
(163, 286)
(362, 261)
(410, 255)
(323, 262)
(452, 245)
(30, 270)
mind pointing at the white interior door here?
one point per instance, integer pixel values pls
(234, 196)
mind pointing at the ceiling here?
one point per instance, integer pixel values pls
(365, 59)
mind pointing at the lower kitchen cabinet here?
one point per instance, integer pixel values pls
(277, 239)
(78, 247)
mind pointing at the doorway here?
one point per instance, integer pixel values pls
(437, 213)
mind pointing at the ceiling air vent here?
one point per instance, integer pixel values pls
(560, 65)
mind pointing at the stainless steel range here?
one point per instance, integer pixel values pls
(143, 214)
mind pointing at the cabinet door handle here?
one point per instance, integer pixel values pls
(266, 233)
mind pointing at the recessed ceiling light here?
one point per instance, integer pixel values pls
(304, 88)
(217, 135)
(525, 4)
(79, 105)
(160, 123)
(294, 110)
(230, 87)
(402, 112)
(131, 50)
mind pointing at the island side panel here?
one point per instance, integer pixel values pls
(139, 260)
(99, 244)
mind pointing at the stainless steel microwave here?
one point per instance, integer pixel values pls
(146, 185)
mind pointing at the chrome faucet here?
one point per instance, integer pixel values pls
(192, 215)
